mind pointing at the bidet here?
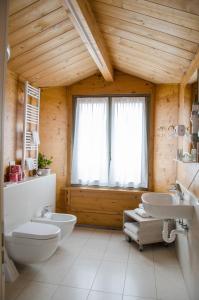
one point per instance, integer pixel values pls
(65, 222)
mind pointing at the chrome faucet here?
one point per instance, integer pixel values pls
(45, 210)
(177, 189)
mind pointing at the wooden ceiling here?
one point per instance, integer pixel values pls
(156, 40)
(45, 47)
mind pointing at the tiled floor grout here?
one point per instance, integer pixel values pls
(99, 267)
(106, 240)
(126, 270)
(156, 292)
(58, 285)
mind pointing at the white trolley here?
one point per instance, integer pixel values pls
(142, 230)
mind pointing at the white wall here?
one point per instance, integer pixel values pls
(188, 254)
(22, 201)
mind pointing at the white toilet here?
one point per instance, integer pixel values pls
(32, 242)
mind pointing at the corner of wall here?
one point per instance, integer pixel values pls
(165, 115)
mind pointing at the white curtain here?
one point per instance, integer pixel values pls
(90, 149)
(128, 166)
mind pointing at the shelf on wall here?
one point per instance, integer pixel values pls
(27, 179)
(186, 162)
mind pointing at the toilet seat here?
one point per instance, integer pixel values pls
(32, 242)
(37, 231)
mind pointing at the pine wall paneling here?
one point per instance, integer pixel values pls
(53, 133)
(188, 175)
(10, 138)
(165, 146)
(114, 201)
(56, 132)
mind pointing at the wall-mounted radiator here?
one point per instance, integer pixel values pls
(31, 125)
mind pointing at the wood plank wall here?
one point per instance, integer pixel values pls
(53, 132)
(165, 146)
(101, 206)
(52, 128)
(13, 130)
(56, 140)
(104, 207)
(10, 119)
(167, 107)
(187, 172)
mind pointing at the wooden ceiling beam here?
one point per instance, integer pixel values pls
(191, 70)
(85, 23)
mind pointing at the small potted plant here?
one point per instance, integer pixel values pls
(43, 165)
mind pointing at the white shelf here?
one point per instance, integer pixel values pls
(25, 180)
(186, 162)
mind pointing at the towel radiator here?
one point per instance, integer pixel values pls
(30, 124)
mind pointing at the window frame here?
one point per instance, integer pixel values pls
(148, 128)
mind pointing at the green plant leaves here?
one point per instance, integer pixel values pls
(43, 161)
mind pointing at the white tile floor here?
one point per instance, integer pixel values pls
(101, 265)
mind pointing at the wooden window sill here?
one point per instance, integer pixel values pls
(105, 189)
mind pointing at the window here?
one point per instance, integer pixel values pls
(110, 142)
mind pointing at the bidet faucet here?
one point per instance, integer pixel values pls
(45, 210)
(177, 189)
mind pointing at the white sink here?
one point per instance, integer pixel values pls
(166, 206)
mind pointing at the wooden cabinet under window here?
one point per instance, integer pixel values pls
(100, 206)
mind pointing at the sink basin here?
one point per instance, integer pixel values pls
(166, 206)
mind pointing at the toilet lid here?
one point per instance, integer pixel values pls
(37, 231)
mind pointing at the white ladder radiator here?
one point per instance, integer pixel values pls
(31, 125)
